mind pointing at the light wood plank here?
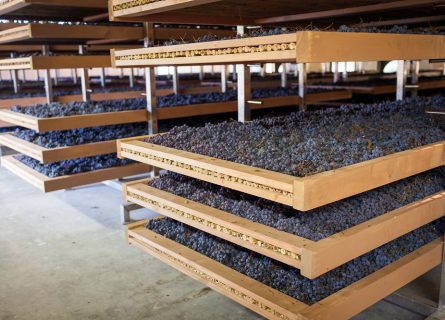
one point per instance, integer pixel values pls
(47, 184)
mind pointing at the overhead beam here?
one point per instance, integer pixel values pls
(394, 5)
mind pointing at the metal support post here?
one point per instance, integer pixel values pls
(302, 81)
(131, 78)
(126, 209)
(223, 78)
(23, 76)
(334, 68)
(15, 77)
(234, 73)
(359, 67)
(323, 69)
(74, 74)
(102, 77)
(56, 77)
(401, 79)
(150, 84)
(47, 79)
(84, 79)
(284, 75)
(415, 67)
(175, 80)
(244, 92)
(201, 73)
(263, 70)
(344, 73)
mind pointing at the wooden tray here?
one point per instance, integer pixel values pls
(72, 122)
(48, 155)
(302, 47)
(120, 117)
(385, 89)
(55, 62)
(53, 33)
(74, 9)
(107, 96)
(271, 303)
(47, 184)
(301, 193)
(313, 258)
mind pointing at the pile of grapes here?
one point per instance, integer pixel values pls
(261, 32)
(306, 143)
(78, 108)
(54, 139)
(56, 109)
(69, 167)
(403, 29)
(284, 278)
(60, 91)
(315, 224)
(8, 129)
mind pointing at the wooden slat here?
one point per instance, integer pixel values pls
(53, 32)
(55, 62)
(214, 58)
(322, 46)
(48, 155)
(324, 255)
(353, 299)
(73, 122)
(320, 189)
(47, 184)
(275, 184)
(271, 303)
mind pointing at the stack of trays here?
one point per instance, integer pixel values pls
(296, 244)
(66, 151)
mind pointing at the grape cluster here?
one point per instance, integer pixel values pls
(306, 143)
(54, 139)
(69, 167)
(315, 224)
(284, 278)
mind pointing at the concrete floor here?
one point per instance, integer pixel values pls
(63, 256)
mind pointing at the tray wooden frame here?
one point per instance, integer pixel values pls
(46, 184)
(301, 193)
(300, 47)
